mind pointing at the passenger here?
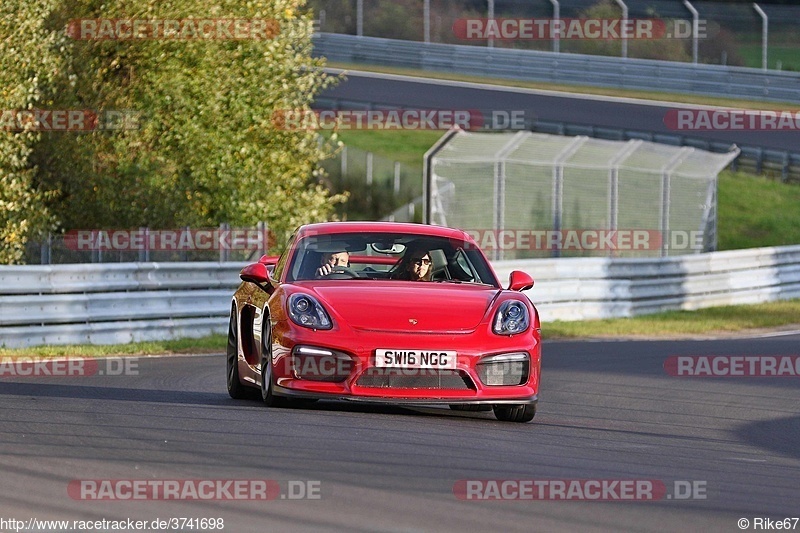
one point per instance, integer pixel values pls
(331, 260)
(416, 267)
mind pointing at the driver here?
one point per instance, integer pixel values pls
(331, 260)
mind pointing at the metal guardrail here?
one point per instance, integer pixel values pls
(128, 302)
(594, 288)
(576, 69)
(114, 302)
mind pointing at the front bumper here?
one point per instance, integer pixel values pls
(361, 346)
(399, 400)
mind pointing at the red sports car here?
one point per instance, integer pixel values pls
(385, 312)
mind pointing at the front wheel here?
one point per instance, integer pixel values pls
(523, 412)
(235, 387)
(267, 395)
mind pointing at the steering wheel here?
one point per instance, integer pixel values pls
(342, 272)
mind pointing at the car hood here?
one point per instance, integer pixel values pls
(407, 307)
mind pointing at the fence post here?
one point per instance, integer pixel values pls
(695, 28)
(764, 34)
(556, 18)
(490, 40)
(426, 24)
(666, 200)
(263, 238)
(360, 18)
(223, 253)
(558, 183)
(396, 178)
(624, 7)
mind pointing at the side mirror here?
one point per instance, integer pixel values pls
(270, 261)
(519, 281)
(255, 273)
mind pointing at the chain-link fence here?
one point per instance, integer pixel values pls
(120, 245)
(528, 195)
(729, 33)
(376, 185)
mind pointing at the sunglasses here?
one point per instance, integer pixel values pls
(423, 261)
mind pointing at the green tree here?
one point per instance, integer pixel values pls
(27, 64)
(207, 149)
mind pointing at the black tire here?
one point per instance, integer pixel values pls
(470, 407)
(235, 388)
(267, 396)
(523, 412)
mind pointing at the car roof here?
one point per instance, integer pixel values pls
(331, 228)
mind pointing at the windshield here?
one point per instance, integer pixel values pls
(388, 256)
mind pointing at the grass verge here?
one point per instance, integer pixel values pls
(711, 321)
(755, 212)
(209, 344)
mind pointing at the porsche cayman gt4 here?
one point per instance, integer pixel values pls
(385, 312)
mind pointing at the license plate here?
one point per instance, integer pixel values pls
(416, 359)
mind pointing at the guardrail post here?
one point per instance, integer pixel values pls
(785, 168)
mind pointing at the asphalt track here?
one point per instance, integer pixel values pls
(362, 89)
(608, 411)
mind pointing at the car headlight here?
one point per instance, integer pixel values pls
(306, 311)
(512, 317)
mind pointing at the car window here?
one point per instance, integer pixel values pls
(383, 256)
